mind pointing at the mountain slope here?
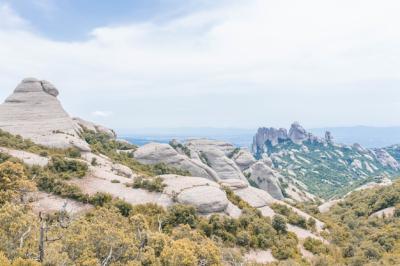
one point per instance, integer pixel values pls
(322, 166)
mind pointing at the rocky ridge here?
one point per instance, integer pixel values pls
(34, 112)
(319, 165)
(220, 161)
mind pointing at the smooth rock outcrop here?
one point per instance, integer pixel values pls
(386, 159)
(154, 153)
(216, 155)
(34, 112)
(94, 127)
(266, 179)
(29, 158)
(205, 195)
(244, 159)
(205, 199)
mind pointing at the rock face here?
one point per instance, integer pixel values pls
(217, 161)
(244, 159)
(208, 159)
(217, 155)
(34, 112)
(154, 153)
(297, 133)
(266, 179)
(94, 127)
(317, 165)
(386, 159)
(264, 134)
(204, 194)
(272, 136)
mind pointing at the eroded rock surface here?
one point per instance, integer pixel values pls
(34, 112)
(266, 179)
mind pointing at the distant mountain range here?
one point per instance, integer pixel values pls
(369, 137)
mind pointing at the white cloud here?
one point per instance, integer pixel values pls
(103, 114)
(9, 19)
(250, 63)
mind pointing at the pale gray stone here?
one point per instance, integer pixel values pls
(34, 112)
(266, 178)
(205, 199)
(153, 153)
(244, 159)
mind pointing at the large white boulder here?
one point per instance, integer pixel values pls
(244, 159)
(216, 155)
(154, 153)
(34, 112)
(266, 179)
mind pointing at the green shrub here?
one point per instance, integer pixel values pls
(94, 161)
(279, 224)
(51, 184)
(124, 207)
(150, 184)
(100, 199)
(292, 217)
(315, 246)
(181, 214)
(68, 168)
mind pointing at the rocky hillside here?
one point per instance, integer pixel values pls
(223, 163)
(319, 165)
(73, 166)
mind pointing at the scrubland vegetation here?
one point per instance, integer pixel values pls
(116, 233)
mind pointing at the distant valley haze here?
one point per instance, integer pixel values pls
(369, 137)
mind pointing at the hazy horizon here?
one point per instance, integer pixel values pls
(169, 63)
(370, 137)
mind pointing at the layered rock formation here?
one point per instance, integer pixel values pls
(215, 160)
(34, 112)
(386, 159)
(272, 136)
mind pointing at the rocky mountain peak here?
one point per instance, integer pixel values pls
(34, 112)
(297, 133)
(33, 85)
(273, 136)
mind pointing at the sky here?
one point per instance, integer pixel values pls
(209, 63)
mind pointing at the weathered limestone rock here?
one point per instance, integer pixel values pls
(266, 179)
(244, 159)
(297, 133)
(34, 112)
(257, 198)
(27, 157)
(205, 199)
(154, 153)
(272, 135)
(205, 195)
(215, 155)
(233, 183)
(94, 127)
(123, 170)
(386, 159)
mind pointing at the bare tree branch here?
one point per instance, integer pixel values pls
(106, 261)
(24, 235)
